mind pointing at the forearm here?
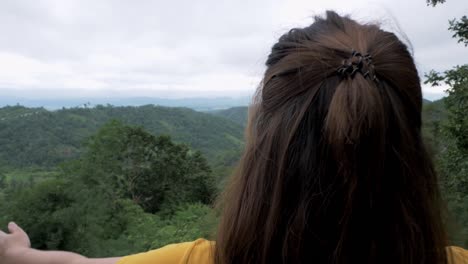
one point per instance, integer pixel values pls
(47, 257)
(33, 256)
(15, 248)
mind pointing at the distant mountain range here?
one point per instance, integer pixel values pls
(199, 104)
(195, 103)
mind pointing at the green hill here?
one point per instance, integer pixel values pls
(37, 137)
(236, 114)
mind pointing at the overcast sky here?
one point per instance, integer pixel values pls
(173, 49)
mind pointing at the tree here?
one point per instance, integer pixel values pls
(128, 162)
(459, 27)
(435, 2)
(454, 157)
(38, 210)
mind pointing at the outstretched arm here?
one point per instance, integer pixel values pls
(15, 248)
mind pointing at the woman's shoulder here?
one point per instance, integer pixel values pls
(457, 255)
(198, 251)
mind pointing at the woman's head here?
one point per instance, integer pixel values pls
(334, 169)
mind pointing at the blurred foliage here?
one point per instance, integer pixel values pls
(434, 2)
(460, 29)
(451, 139)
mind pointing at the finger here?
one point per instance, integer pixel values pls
(2, 233)
(16, 230)
(13, 228)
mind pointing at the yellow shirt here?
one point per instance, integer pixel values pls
(202, 251)
(198, 251)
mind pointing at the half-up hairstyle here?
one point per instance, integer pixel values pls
(334, 169)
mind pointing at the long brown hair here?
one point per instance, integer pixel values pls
(334, 168)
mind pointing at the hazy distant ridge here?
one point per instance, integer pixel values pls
(199, 104)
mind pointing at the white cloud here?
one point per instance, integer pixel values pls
(184, 48)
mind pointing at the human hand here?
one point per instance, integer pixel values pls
(13, 244)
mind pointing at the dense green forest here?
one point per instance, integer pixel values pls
(113, 180)
(117, 180)
(441, 131)
(35, 137)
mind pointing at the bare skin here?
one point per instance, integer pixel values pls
(15, 248)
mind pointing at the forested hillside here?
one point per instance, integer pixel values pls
(235, 114)
(36, 137)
